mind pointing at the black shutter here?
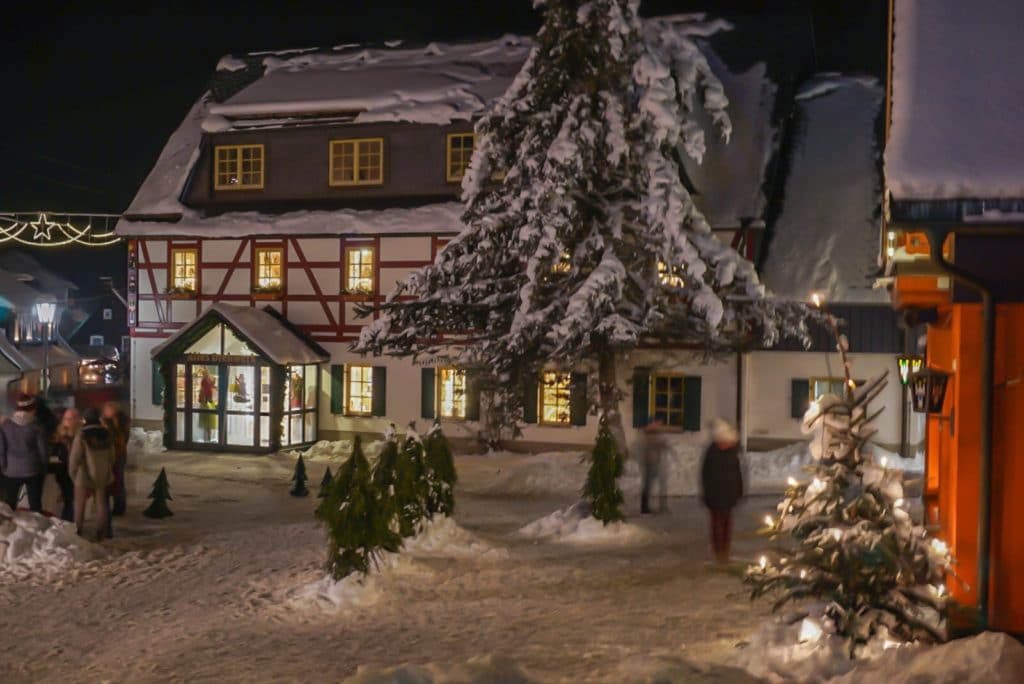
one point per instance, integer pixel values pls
(472, 395)
(427, 393)
(578, 404)
(641, 396)
(800, 392)
(691, 403)
(380, 391)
(337, 388)
(158, 384)
(530, 401)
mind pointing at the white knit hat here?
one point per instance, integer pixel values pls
(723, 431)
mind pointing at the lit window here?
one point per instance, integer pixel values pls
(563, 265)
(554, 398)
(238, 167)
(359, 400)
(268, 268)
(460, 151)
(357, 162)
(669, 276)
(451, 392)
(666, 403)
(183, 270)
(359, 269)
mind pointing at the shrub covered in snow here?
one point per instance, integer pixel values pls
(439, 467)
(575, 525)
(32, 544)
(601, 489)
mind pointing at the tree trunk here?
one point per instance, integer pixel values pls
(609, 398)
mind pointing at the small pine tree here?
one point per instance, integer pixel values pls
(160, 495)
(357, 519)
(299, 478)
(440, 464)
(412, 454)
(395, 478)
(325, 483)
(845, 538)
(601, 490)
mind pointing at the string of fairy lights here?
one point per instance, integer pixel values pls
(40, 229)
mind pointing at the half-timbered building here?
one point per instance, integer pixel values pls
(305, 183)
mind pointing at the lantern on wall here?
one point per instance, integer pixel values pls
(909, 364)
(928, 390)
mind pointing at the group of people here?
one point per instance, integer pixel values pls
(721, 478)
(86, 452)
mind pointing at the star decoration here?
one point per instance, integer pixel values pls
(41, 227)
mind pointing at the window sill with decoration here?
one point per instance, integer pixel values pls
(267, 293)
(180, 293)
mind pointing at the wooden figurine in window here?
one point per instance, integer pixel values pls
(241, 395)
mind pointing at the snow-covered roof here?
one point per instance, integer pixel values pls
(729, 182)
(266, 332)
(439, 218)
(957, 100)
(435, 84)
(826, 237)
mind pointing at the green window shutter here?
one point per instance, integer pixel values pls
(691, 403)
(472, 395)
(641, 396)
(158, 384)
(800, 392)
(530, 401)
(380, 391)
(337, 388)
(427, 396)
(578, 399)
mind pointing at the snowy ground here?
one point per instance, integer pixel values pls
(231, 586)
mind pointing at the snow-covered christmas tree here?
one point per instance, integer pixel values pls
(846, 538)
(581, 240)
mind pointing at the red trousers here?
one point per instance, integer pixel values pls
(721, 531)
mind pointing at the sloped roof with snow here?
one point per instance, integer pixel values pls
(826, 236)
(435, 84)
(957, 100)
(269, 334)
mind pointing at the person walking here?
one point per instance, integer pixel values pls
(117, 423)
(24, 455)
(652, 454)
(60, 451)
(722, 484)
(91, 465)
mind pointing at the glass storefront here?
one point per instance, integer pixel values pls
(225, 394)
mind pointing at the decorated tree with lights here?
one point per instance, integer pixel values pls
(581, 240)
(845, 537)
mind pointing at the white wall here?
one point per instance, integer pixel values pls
(142, 407)
(768, 383)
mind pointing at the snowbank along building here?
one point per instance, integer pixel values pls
(304, 183)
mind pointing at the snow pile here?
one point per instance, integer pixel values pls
(145, 442)
(351, 591)
(800, 649)
(340, 450)
(441, 536)
(32, 545)
(768, 471)
(574, 525)
(546, 474)
(482, 670)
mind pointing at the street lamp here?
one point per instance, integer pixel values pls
(909, 364)
(46, 312)
(928, 390)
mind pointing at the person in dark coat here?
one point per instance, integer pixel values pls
(60, 450)
(118, 424)
(24, 455)
(722, 485)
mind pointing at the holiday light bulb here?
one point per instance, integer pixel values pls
(768, 521)
(791, 481)
(940, 590)
(763, 562)
(803, 574)
(939, 546)
(898, 502)
(883, 461)
(816, 299)
(837, 535)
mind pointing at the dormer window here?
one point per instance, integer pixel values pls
(460, 151)
(238, 167)
(357, 162)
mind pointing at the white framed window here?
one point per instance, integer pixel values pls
(359, 394)
(555, 398)
(359, 270)
(451, 393)
(95, 340)
(108, 314)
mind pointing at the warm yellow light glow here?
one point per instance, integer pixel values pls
(791, 481)
(460, 151)
(669, 275)
(763, 562)
(183, 269)
(268, 268)
(359, 269)
(359, 399)
(769, 521)
(554, 398)
(451, 392)
(564, 263)
(816, 299)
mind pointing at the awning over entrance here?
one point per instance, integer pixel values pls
(264, 330)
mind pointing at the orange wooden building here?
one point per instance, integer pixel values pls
(953, 246)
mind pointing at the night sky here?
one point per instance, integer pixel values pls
(93, 89)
